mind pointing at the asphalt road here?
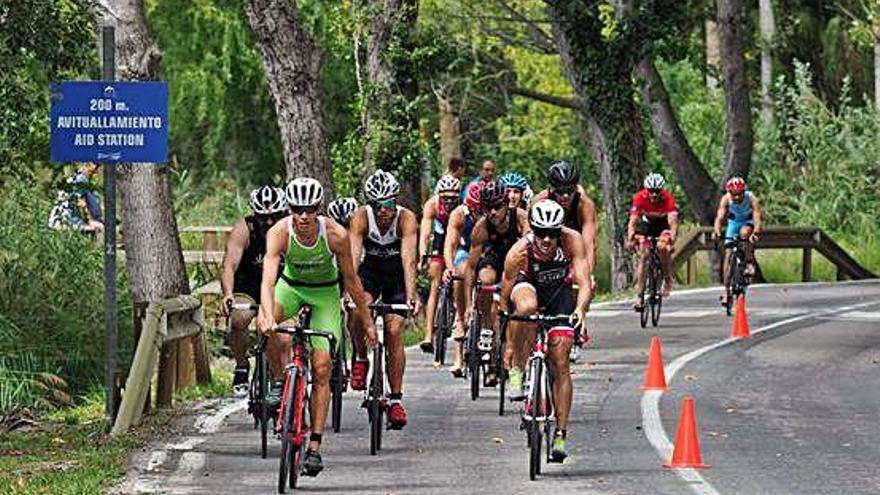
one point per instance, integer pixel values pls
(792, 410)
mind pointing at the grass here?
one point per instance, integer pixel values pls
(69, 451)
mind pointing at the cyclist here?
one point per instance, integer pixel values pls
(538, 272)
(516, 186)
(455, 253)
(243, 272)
(386, 233)
(315, 250)
(341, 210)
(492, 236)
(653, 214)
(435, 216)
(741, 209)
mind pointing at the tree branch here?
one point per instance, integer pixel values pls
(559, 101)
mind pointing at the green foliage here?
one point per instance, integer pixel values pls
(40, 41)
(51, 305)
(819, 165)
(222, 114)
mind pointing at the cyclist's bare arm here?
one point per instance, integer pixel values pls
(356, 232)
(478, 236)
(453, 235)
(721, 213)
(573, 246)
(235, 247)
(337, 238)
(429, 212)
(515, 261)
(539, 196)
(589, 228)
(631, 226)
(672, 218)
(276, 244)
(522, 221)
(756, 215)
(409, 232)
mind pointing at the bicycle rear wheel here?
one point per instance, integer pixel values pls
(337, 384)
(656, 297)
(287, 431)
(441, 328)
(377, 393)
(300, 432)
(534, 424)
(262, 387)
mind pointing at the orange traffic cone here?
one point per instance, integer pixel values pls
(655, 377)
(740, 328)
(686, 453)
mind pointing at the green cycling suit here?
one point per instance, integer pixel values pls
(311, 277)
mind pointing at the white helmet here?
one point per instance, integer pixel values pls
(304, 191)
(654, 181)
(381, 185)
(341, 209)
(448, 183)
(546, 214)
(266, 200)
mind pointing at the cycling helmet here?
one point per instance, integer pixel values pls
(563, 174)
(266, 200)
(514, 180)
(654, 181)
(736, 185)
(493, 193)
(472, 200)
(546, 214)
(381, 185)
(448, 183)
(341, 209)
(304, 191)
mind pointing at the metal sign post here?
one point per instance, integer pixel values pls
(110, 337)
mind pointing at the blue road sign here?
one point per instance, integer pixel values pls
(109, 122)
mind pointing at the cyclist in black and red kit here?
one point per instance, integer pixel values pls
(492, 237)
(243, 272)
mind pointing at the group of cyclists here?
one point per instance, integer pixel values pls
(538, 248)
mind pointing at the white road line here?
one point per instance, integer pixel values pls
(652, 425)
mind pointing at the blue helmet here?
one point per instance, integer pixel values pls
(514, 180)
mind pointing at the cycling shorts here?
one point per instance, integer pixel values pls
(324, 301)
(387, 284)
(733, 230)
(461, 255)
(550, 302)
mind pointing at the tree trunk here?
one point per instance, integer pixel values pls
(738, 146)
(152, 244)
(592, 65)
(712, 53)
(292, 59)
(768, 35)
(877, 64)
(674, 146)
(450, 135)
(392, 88)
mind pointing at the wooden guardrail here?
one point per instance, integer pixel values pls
(806, 238)
(172, 337)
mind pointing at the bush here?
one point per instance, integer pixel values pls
(51, 305)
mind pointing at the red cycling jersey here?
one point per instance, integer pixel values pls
(641, 204)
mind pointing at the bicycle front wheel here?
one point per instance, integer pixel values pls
(287, 430)
(473, 361)
(377, 393)
(536, 410)
(337, 383)
(441, 328)
(656, 297)
(262, 386)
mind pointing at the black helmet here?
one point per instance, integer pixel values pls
(493, 193)
(563, 174)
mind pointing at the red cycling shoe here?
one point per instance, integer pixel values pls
(359, 375)
(396, 416)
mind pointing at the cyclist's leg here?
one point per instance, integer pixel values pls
(357, 327)
(287, 302)
(240, 320)
(559, 341)
(664, 245)
(521, 334)
(395, 293)
(458, 330)
(745, 232)
(435, 271)
(327, 318)
(642, 249)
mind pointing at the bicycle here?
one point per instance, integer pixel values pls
(500, 349)
(651, 296)
(538, 412)
(259, 385)
(340, 375)
(375, 399)
(444, 319)
(477, 351)
(738, 282)
(293, 427)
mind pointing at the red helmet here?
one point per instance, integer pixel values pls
(736, 185)
(472, 200)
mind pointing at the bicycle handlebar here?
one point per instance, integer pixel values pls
(382, 308)
(539, 318)
(244, 306)
(307, 332)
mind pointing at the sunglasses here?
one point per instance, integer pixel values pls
(654, 191)
(546, 233)
(449, 199)
(564, 191)
(494, 207)
(385, 203)
(299, 210)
